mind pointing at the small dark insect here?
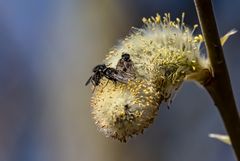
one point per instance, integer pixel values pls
(112, 74)
(123, 73)
(126, 65)
(98, 73)
(116, 75)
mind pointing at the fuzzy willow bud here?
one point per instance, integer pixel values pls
(164, 52)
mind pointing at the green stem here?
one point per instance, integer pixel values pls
(219, 87)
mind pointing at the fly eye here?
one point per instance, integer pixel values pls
(126, 57)
(109, 72)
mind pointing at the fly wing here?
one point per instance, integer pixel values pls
(123, 77)
(120, 78)
(120, 65)
(126, 67)
(130, 68)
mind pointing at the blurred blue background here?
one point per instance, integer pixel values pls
(47, 51)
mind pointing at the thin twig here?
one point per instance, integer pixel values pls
(219, 87)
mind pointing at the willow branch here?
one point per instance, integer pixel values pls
(219, 87)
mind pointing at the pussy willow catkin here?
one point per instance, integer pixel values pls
(164, 52)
